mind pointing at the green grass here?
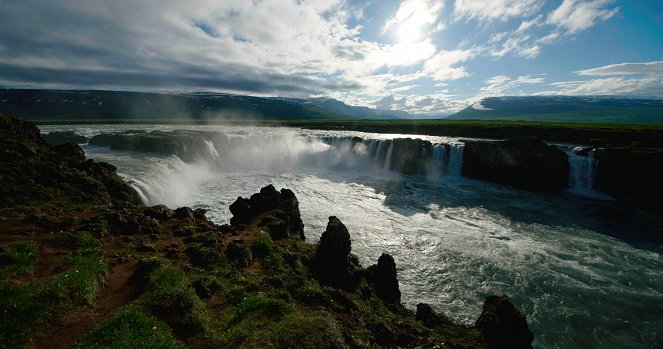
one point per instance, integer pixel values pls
(263, 245)
(25, 307)
(128, 327)
(18, 257)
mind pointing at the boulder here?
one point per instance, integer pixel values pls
(502, 325)
(240, 253)
(63, 137)
(184, 213)
(384, 279)
(290, 205)
(159, 212)
(527, 163)
(285, 221)
(332, 264)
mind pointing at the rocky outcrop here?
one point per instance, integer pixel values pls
(34, 172)
(632, 174)
(239, 252)
(333, 264)
(523, 162)
(503, 326)
(407, 154)
(384, 279)
(187, 145)
(281, 210)
(62, 137)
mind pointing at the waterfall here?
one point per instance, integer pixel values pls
(582, 169)
(455, 161)
(390, 153)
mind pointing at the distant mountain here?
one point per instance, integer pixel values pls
(93, 104)
(593, 109)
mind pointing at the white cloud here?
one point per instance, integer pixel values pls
(529, 24)
(520, 44)
(499, 85)
(443, 66)
(608, 86)
(654, 68)
(495, 9)
(412, 17)
(575, 15)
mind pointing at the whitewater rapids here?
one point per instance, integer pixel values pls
(581, 267)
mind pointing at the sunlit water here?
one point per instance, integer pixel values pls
(584, 271)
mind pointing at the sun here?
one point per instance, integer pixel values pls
(409, 31)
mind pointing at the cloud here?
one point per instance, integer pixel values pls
(412, 17)
(574, 15)
(654, 68)
(608, 86)
(650, 84)
(234, 46)
(495, 9)
(430, 105)
(443, 66)
(500, 84)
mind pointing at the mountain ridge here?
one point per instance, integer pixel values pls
(40, 104)
(591, 109)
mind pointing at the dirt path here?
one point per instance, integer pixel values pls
(73, 325)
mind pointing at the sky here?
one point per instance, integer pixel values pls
(427, 57)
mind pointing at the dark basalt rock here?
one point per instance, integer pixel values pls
(428, 316)
(159, 212)
(284, 222)
(408, 153)
(239, 252)
(384, 279)
(184, 213)
(290, 205)
(631, 174)
(523, 162)
(35, 173)
(187, 145)
(63, 137)
(70, 150)
(332, 263)
(503, 326)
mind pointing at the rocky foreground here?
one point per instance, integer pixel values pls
(84, 265)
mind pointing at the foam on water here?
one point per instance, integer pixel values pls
(566, 261)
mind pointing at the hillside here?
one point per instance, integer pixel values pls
(83, 265)
(54, 105)
(594, 109)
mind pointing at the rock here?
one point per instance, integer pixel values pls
(226, 229)
(240, 253)
(202, 289)
(428, 316)
(277, 225)
(407, 154)
(159, 212)
(289, 222)
(523, 162)
(290, 205)
(631, 174)
(384, 279)
(146, 248)
(70, 150)
(184, 213)
(502, 325)
(34, 173)
(332, 264)
(63, 137)
(241, 210)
